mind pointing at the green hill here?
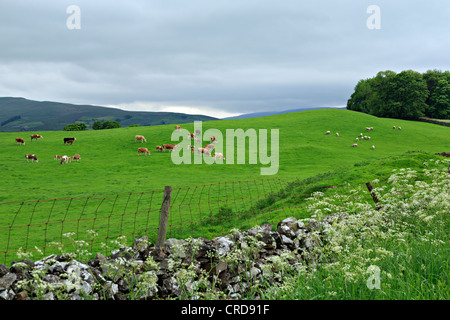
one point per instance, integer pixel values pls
(110, 164)
(19, 114)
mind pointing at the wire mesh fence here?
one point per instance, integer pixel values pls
(47, 226)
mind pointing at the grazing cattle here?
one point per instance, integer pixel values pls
(76, 157)
(218, 155)
(31, 157)
(36, 136)
(191, 135)
(57, 156)
(355, 145)
(328, 132)
(198, 132)
(192, 148)
(203, 150)
(159, 148)
(212, 139)
(210, 146)
(169, 147)
(177, 127)
(20, 140)
(68, 139)
(140, 138)
(144, 151)
(65, 159)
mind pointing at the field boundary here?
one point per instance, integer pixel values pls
(89, 225)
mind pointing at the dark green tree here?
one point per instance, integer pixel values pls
(97, 125)
(111, 125)
(75, 127)
(440, 100)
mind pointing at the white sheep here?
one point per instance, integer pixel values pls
(337, 134)
(393, 127)
(328, 132)
(357, 139)
(368, 138)
(373, 147)
(355, 145)
(399, 128)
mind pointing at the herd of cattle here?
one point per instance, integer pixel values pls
(363, 137)
(63, 159)
(207, 150)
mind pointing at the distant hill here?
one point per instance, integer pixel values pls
(19, 114)
(271, 113)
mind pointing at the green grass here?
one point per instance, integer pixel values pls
(109, 163)
(206, 202)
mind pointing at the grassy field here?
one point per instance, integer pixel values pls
(110, 166)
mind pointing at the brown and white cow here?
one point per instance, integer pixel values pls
(212, 139)
(57, 156)
(218, 155)
(144, 151)
(191, 135)
(140, 138)
(36, 136)
(20, 140)
(159, 149)
(210, 146)
(31, 157)
(76, 157)
(65, 159)
(177, 127)
(169, 147)
(203, 150)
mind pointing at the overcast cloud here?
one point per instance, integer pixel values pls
(218, 57)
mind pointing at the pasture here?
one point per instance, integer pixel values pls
(112, 188)
(110, 164)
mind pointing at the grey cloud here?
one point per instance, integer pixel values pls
(239, 56)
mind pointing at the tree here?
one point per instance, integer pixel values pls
(97, 125)
(75, 127)
(440, 100)
(403, 95)
(111, 125)
(409, 93)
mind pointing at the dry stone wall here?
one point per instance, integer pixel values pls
(224, 267)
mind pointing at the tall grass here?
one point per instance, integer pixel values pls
(400, 252)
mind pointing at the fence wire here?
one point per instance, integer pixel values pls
(90, 224)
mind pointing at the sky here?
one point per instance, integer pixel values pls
(218, 58)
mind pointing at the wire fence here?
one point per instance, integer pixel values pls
(49, 226)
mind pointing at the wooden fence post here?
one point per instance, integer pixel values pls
(164, 217)
(374, 195)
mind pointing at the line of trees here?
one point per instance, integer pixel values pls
(75, 127)
(405, 95)
(98, 125)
